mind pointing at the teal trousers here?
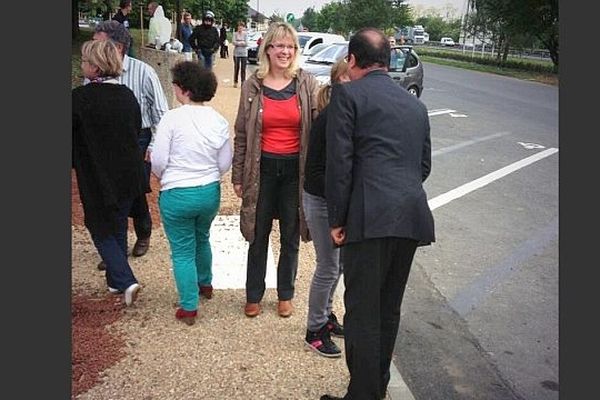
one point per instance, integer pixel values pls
(187, 214)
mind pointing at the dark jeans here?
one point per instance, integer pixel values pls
(375, 276)
(206, 57)
(113, 250)
(142, 221)
(239, 62)
(224, 51)
(278, 197)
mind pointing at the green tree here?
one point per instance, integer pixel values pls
(309, 19)
(333, 17)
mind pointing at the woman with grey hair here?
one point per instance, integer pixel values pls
(276, 109)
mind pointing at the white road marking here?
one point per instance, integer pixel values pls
(453, 115)
(487, 179)
(467, 143)
(530, 146)
(442, 111)
(229, 252)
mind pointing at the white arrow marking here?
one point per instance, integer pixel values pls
(440, 112)
(530, 146)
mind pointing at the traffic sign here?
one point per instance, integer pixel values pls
(289, 17)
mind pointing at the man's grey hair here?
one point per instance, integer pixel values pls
(116, 32)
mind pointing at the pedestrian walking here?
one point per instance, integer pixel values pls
(107, 159)
(240, 54)
(190, 155)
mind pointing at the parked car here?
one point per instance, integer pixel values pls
(447, 41)
(312, 51)
(405, 69)
(254, 39)
(308, 40)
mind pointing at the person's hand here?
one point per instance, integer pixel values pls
(338, 235)
(237, 188)
(147, 156)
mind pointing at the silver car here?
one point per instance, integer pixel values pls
(405, 66)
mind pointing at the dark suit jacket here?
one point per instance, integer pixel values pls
(378, 155)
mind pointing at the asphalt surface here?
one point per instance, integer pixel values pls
(480, 315)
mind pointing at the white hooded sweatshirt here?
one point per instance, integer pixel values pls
(159, 26)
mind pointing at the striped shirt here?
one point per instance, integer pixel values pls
(143, 81)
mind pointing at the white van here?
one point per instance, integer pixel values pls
(308, 40)
(447, 41)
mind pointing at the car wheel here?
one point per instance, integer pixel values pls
(413, 90)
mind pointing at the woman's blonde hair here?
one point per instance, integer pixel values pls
(277, 30)
(104, 55)
(338, 69)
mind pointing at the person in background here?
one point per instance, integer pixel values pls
(322, 323)
(276, 109)
(186, 32)
(143, 81)
(107, 159)
(159, 27)
(190, 155)
(223, 40)
(122, 16)
(392, 41)
(240, 54)
(205, 40)
(378, 155)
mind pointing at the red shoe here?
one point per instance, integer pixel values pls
(206, 291)
(189, 317)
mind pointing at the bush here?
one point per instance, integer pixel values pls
(518, 64)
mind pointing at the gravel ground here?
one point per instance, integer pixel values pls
(225, 355)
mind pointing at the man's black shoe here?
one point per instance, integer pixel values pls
(320, 342)
(140, 247)
(335, 328)
(330, 397)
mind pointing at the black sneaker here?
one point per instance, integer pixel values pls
(320, 342)
(335, 328)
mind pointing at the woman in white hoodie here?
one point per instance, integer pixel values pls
(191, 153)
(159, 26)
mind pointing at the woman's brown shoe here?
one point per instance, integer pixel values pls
(285, 308)
(252, 309)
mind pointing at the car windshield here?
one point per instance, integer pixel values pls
(302, 39)
(330, 54)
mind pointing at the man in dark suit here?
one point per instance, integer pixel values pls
(378, 155)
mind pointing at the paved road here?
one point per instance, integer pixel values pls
(480, 317)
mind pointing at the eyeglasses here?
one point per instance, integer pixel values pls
(281, 47)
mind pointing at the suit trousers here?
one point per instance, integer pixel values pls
(375, 276)
(278, 197)
(140, 211)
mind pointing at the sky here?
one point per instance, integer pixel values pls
(297, 7)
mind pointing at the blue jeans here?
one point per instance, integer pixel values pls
(206, 58)
(187, 214)
(277, 198)
(328, 269)
(113, 250)
(140, 212)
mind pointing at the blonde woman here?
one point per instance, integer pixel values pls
(275, 113)
(322, 323)
(107, 159)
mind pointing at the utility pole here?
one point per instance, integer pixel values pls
(464, 24)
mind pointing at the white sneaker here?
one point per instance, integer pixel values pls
(131, 294)
(113, 290)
